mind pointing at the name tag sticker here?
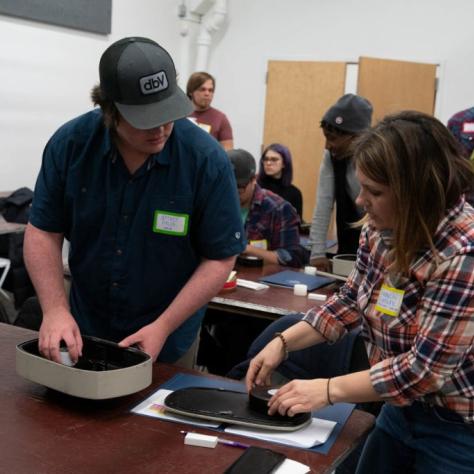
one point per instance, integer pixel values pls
(170, 223)
(468, 127)
(259, 244)
(389, 301)
(205, 127)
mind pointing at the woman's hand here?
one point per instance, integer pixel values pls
(299, 396)
(262, 365)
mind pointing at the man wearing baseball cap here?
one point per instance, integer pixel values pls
(148, 203)
(271, 223)
(272, 230)
(337, 184)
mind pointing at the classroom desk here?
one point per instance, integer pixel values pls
(270, 303)
(47, 432)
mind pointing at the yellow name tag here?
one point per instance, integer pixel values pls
(390, 300)
(259, 244)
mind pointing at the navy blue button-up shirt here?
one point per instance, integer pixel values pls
(135, 240)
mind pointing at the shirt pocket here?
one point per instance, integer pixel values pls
(170, 228)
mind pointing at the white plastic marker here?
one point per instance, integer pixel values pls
(65, 357)
(317, 297)
(309, 270)
(206, 441)
(300, 290)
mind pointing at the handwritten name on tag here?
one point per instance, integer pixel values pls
(390, 300)
(170, 223)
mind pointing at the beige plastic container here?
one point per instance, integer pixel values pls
(343, 264)
(105, 370)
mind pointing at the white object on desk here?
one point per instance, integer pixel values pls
(310, 270)
(290, 466)
(4, 267)
(317, 432)
(197, 439)
(317, 297)
(331, 275)
(253, 285)
(300, 289)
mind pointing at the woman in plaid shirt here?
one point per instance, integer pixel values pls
(412, 292)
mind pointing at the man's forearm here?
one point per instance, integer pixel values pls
(206, 281)
(43, 259)
(269, 256)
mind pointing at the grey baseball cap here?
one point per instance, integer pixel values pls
(139, 76)
(351, 113)
(244, 165)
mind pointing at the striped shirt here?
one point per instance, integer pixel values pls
(425, 352)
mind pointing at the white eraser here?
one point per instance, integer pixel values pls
(196, 439)
(317, 297)
(300, 290)
(310, 270)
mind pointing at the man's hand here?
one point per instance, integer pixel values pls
(59, 325)
(150, 339)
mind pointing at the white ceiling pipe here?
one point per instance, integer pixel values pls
(210, 23)
(187, 20)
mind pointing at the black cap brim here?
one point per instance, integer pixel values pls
(146, 116)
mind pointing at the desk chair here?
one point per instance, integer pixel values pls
(4, 268)
(319, 361)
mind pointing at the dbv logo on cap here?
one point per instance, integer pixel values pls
(154, 83)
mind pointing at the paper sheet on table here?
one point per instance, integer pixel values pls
(154, 406)
(317, 432)
(290, 466)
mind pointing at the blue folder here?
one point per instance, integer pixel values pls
(339, 412)
(289, 278)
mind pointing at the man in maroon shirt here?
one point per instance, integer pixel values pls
(200, 89)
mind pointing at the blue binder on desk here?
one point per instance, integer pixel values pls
(289, 278)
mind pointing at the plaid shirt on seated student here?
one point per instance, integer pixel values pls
(271, 223)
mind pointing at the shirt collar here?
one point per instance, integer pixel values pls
(452, 213)
(162, 158)
(258, 196)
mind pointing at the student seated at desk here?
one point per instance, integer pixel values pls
(271, 226)
(413, 293)
(276, 174)
(271, 223)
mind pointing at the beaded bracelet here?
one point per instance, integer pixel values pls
(283, 340)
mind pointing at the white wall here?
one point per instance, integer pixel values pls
(46, 72)
(433, 31)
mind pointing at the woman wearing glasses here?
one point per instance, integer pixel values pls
(276, 174)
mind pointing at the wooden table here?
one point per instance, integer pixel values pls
(47, 432)
(270, 303)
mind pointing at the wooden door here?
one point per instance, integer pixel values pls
(298, 94)
(393, 86)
